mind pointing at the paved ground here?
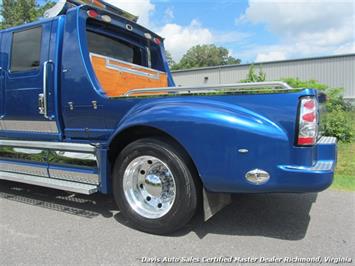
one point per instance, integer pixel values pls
(42, 226)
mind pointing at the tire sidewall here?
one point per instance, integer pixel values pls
(185, 201)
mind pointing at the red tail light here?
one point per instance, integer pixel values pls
(308, 121)
(310, 117)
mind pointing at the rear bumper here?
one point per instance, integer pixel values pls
(315, 178)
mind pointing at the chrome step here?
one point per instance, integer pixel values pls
(62, 146)
(50, 183)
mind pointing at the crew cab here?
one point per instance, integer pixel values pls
(88, 104)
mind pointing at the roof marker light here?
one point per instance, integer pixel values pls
(157, 41)
(129, 27)
(106, 18)
(92, 13)
(148, 35)
(98, 4)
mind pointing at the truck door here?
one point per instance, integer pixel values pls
(28, 82)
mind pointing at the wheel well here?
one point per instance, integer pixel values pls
(134, 133)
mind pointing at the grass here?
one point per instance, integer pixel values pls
(344, 178)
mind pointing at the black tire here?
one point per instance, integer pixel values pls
(186, 184)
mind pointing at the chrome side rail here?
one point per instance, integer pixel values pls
(248, 87)
(50, 183)
(73, 162)
(62, 146)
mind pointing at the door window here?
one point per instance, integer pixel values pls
(26, 50)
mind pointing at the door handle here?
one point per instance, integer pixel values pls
(41, 103)
(43, 107)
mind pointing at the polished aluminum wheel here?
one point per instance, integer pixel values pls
(149, 187)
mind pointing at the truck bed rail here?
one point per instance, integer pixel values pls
(247, 87)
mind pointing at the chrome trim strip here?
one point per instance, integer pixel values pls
(78, 159)
(15, 167)
(61, 146)
(322, 166)
(23, 154)
(50, 182)
(45, 105)
(327, 140)
(131, 71)
(127, 63)
(319, 166)
(88, 178)
(127, 70)
(238, 87)
(29, 126)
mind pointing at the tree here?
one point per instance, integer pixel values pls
(170, 59)
(204, 56)
(253, 76)
(17, 12)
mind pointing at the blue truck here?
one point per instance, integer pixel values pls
(88, 104)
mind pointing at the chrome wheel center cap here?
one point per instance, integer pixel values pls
(153, 185)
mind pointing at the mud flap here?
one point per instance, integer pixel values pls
(214, 202)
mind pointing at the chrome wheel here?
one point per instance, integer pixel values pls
(149, 187)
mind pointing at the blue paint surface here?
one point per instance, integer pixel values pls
(210, 128)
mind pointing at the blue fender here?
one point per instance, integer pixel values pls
(211, 132)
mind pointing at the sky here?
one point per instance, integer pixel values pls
(252, 30)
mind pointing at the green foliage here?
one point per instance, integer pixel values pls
(335, 98)
(17, 12)
(335, 121)
(345, 175)
(170, 59)
(204, 56)
(344, 178)
(297, 83)
(253, 76)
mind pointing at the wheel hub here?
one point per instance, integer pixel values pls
(153, 185)
(149, 187)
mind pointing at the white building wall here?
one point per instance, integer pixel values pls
(335, 71)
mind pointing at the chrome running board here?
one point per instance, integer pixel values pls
(63, 146)
(73, 162)
(50, 183)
